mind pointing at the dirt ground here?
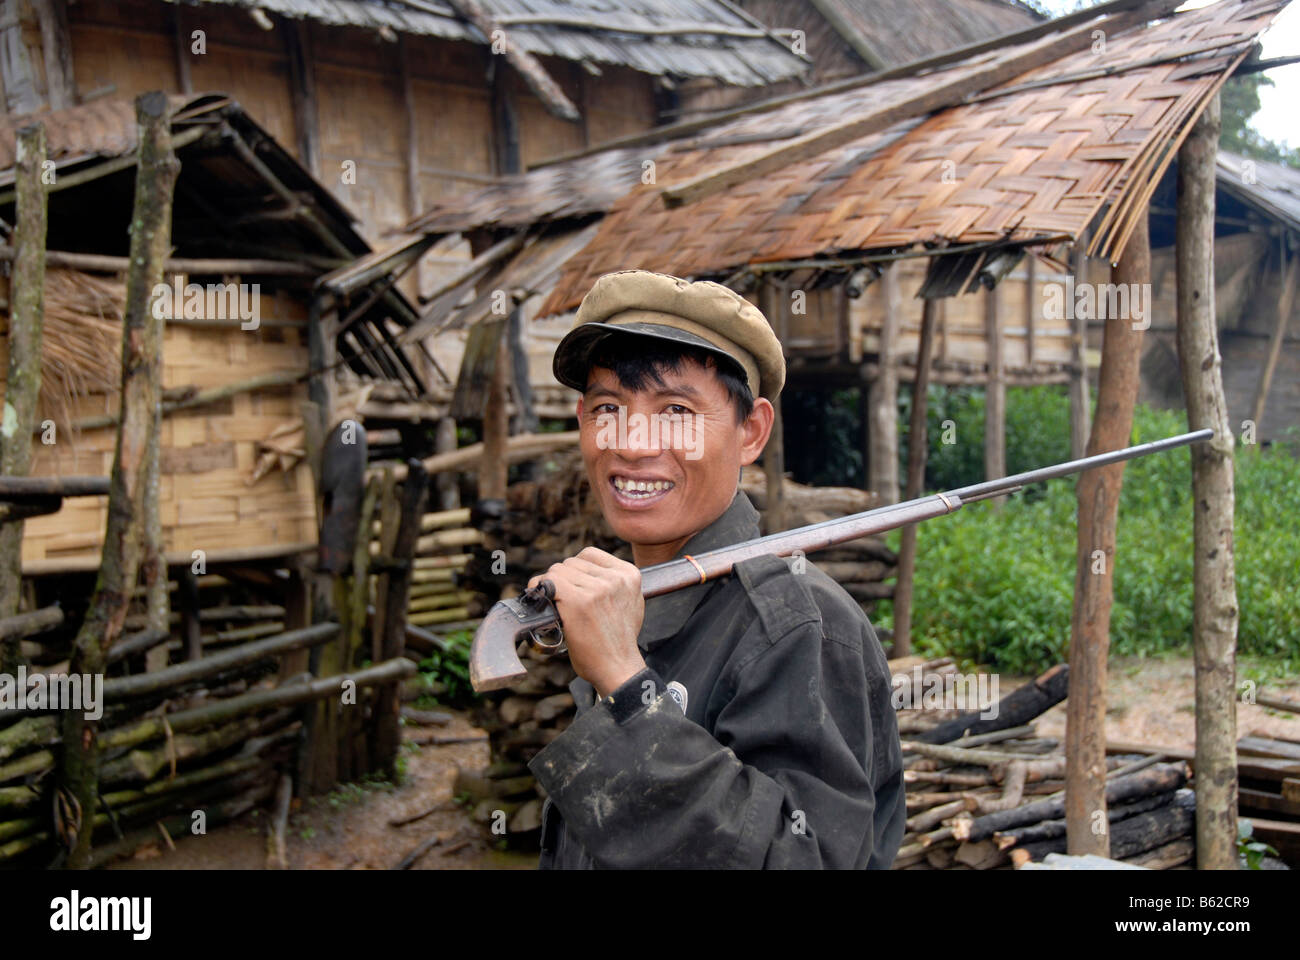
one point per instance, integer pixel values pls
(350, 829)
(1152, 701)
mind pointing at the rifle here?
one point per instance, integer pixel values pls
(494, 662)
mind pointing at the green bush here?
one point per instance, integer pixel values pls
(997, 587)
(449, 669)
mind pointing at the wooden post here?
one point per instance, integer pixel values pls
(1031, 308)
(916, 451)
(1291, 278)
(448, 488)
(23, 376)
(496, 427)
(1215, 605)
(15, 65)
(995, 396)
(774, 516)
(180, 24)
(1098, 494)
(56, 46)
(297, 38)
(1080, 413)
(157, 170)
(191, 626)
(386, 732)
(882, 402)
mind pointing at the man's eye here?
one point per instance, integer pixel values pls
(605, 408)
(677, 409)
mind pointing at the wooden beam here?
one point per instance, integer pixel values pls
(23, 378)
(56, 44)
(947, 93)
(529, 67)
(882, 402)
(916, 451)
(1098, 493)
(101, 263)
(1291, 278)
(1214, 616)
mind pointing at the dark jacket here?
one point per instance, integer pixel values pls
(787, 755)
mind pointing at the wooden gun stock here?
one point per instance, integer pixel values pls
(494, 661)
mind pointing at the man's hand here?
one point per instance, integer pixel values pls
(598, 598)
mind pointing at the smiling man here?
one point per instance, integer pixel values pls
(741, 723)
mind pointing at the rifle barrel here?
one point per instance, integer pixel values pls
(676, 574)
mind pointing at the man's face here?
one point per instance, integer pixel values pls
(664, 460)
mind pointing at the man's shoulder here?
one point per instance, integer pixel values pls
(790, 592)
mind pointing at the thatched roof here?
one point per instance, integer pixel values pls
(682, 38)
(1270, 188)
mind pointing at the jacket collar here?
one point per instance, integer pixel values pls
(666, 614)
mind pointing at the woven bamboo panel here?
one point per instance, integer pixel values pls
(1025, 165)
(207, 454)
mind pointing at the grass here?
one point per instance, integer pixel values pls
(996, 587)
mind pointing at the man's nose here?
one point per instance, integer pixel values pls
(642, 441)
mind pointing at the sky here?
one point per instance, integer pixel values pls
(1278, 118)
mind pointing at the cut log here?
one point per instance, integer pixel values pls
(1016, 708)
(1158, 779)
(1138, 834)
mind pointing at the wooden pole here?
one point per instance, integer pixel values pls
(23, 377)
(496, 426)
(1031, 307)
(916, 451)
(141, 394)
(297, 38)
(56, 47)
(385, 730)
(882, 402)
(1098, 494)
(995, 396)
(1080, 412)
(1291, 278)
(181, 37)
(448, 489)
(774, 516)
(1215, 605)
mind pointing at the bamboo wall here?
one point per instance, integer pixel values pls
(129, 46)
(207, 457)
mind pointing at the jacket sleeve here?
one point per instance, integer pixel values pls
(777, 784)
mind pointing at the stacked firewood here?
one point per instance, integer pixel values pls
(988, 794)
(183, 747)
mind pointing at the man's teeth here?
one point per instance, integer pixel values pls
(642, 488)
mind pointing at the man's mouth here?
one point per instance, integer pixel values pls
(633, 490)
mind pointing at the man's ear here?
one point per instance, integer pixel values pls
(755, 431)
(580, 399)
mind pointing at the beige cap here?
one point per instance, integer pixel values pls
(701, 313)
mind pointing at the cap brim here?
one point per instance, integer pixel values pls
(572, 356)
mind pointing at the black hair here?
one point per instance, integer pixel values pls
(638, 361)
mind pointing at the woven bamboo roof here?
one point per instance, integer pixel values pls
(1039, 157)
